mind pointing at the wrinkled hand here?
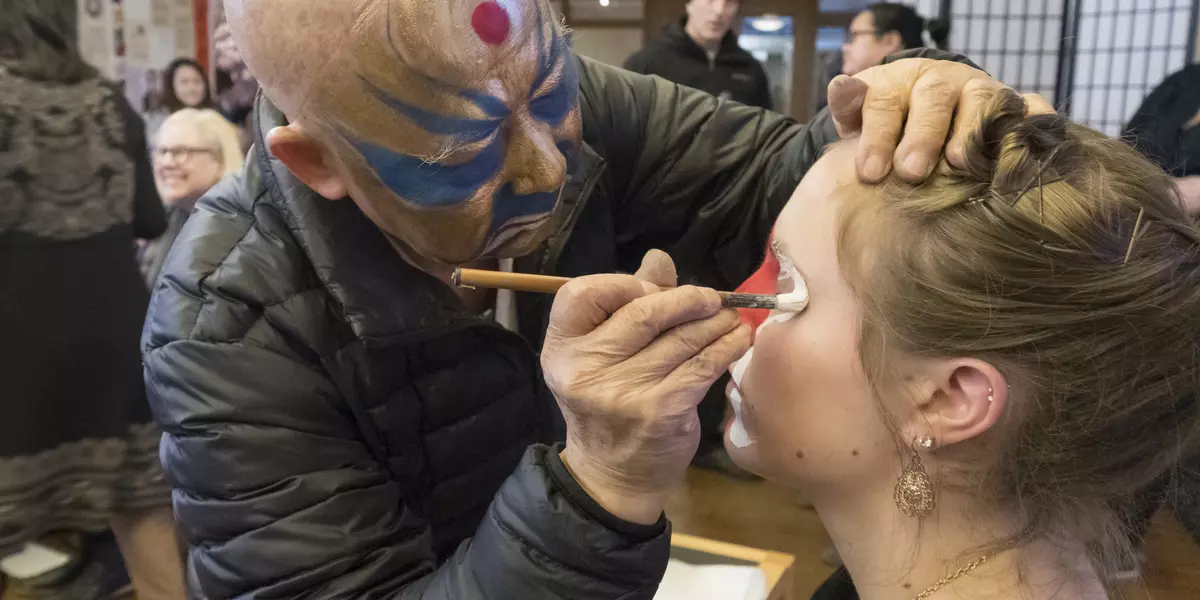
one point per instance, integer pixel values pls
(628, 364)
(918, 97)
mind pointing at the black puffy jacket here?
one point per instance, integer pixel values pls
(336, 425)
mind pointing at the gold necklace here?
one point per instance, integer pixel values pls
(967, 568)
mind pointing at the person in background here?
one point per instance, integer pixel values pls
(1166, 128)
(186, 86)
(193, 150)
(701, 51)
(884, 29)
(235, 87)
(990, 362)
(78, 447)
(183, 86)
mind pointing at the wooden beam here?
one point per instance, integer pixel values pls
(835, 19)
(606, 24)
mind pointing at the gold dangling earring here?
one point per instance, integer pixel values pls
(914, 491)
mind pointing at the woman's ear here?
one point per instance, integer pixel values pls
(965, 398)
(306, 158)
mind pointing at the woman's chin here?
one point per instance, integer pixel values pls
(743, 455)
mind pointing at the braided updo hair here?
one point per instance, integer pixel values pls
(1065, 259)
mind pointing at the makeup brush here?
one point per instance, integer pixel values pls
(545, 284)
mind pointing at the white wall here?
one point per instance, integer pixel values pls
(609, 45)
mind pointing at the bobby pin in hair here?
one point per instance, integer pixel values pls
(1133, 236)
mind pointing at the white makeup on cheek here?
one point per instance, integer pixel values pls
(798, 297)
(738, 436)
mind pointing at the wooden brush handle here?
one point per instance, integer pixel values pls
(520, 282)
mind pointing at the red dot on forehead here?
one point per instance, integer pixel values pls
(490, 22)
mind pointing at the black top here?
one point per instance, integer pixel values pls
(732, 74)
(1159, 127)
(75, 191)
(839, 586)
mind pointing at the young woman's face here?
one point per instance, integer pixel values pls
(185, 165)
(189, 86)
(807, 406)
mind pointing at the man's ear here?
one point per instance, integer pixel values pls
(307, 159)
(965, 398)
(892, 41)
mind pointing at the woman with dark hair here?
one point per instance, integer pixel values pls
(185, 86)
(78, 448)
(884, 29)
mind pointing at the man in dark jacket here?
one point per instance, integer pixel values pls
(338, 421)
(701, 51)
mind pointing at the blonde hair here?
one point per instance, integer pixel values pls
(1065, 259)
(217, 132)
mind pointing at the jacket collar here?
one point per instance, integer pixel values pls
(677, 35)
(384, 298)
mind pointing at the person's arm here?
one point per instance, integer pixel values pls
(1155, 127)
(149, 218)
(279, 496)
(702, 179)
(638, 63)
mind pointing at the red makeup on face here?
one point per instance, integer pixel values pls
(764, 281)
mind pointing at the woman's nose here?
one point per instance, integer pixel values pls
(534, 163)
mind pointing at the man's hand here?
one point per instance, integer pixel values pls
(918, 97)
(628, 364)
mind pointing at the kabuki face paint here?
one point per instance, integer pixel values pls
(788, 281)
(804, 405)
(463, 124)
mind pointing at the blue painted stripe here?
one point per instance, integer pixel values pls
(556, 104)
(432, 184)
(507, 205)
(461, 128)
(489, 104)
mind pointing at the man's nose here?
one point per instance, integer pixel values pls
(533, 163)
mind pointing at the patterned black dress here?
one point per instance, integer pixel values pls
(77, 442)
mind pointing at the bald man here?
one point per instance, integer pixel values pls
(340, 423)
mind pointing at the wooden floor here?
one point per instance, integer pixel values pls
(768, 516)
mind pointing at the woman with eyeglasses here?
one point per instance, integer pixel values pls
(193, 150)
(78, 447)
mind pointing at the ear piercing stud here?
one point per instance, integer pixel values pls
(991, 396)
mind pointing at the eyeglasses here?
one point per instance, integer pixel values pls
(852, 35)
(180, 154)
